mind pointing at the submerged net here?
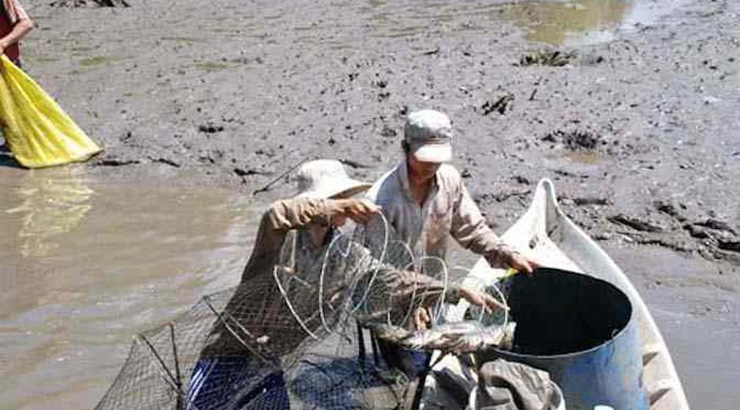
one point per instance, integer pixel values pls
(293, 338)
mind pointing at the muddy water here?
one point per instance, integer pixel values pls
(697, 308)
(86, 265)
(579, 22)
(570, 23)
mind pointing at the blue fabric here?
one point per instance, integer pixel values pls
(412, 362)
(233, 383)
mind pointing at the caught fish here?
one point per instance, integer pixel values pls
(459, 337)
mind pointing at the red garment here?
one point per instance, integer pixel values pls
(9, 16)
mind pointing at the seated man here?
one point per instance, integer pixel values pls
(276, 305)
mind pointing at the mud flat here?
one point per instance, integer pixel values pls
(630, 107)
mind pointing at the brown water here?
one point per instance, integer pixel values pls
(697, 309)
(578, 22)
(86, 265)
(570, 22)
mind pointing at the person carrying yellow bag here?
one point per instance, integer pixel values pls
(35, 128)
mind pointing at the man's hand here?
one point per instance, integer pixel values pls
(522, 263)
(422, 318)
(358, 210)
(3, 46)
(482, 299)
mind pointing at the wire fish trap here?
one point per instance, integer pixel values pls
(296, 327)
(384, 305)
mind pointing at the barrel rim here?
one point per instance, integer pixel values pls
(630, 323)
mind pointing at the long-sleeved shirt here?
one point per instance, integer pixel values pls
(284, 249)
(447, 211)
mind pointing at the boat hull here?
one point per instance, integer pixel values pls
(547, 235)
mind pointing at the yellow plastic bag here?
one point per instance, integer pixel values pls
(36, 129)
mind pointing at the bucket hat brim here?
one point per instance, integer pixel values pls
(344, 188)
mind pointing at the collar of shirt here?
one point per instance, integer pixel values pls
(403, 176)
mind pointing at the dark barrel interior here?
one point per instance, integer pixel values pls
(560, 312)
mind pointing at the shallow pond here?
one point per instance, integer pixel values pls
(86, 265)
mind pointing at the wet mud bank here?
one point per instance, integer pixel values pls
(630, 107)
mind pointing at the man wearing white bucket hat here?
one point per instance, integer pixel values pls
(293, 236)
(425, 199)
(303, 225)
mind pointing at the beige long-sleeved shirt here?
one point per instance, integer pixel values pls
(258, 306)
(448, 211)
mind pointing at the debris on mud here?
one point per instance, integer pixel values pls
(729, 245)
(210, 128)
(554, 58)
(388, 132)
(115, 162)
(574, 139)
(165, 161)
(696, 231)
(673, 243)
(84, 3)
(501, 196)
(635, 223)
(591, 200)
(717, 225)
(432, 52)
(501, 102)
(245, 172)
(670, 209)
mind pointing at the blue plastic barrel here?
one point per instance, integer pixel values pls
(580, 329)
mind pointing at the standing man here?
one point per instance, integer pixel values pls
(426, 201)
(14, 25)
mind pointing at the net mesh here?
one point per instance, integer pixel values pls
(293, 338)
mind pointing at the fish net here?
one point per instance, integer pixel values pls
(306, 334)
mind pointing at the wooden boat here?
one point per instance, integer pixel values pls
(546, 234)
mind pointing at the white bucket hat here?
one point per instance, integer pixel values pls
(326, 178)
(429, 135)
